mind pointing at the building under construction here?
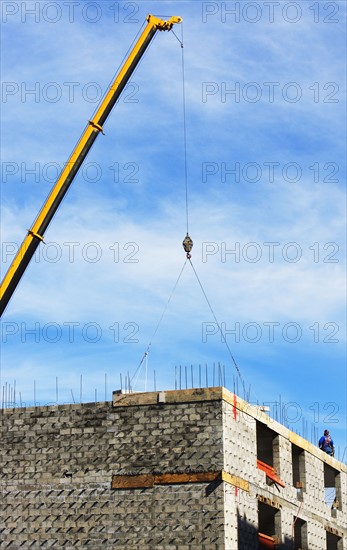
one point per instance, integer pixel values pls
(185, 469)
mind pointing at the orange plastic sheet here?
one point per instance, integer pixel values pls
(270, 472)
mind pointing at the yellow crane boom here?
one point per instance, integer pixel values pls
(94, 127)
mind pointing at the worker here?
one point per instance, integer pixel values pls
(326, 443)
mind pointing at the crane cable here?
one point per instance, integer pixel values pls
(184, 123)
(187, 242)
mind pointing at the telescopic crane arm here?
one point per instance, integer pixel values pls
(95, 126)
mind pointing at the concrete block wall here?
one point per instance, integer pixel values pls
(246, 519)
(167, 437)
(313, 496)
(57, 465)
(241, 519)
(283, 449)
(239, 436)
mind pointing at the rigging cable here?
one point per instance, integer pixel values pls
(145, 355)
(218, 325)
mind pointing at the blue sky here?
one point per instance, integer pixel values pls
(265, 118)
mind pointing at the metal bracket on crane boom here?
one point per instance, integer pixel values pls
(33, 234)
(97, 126)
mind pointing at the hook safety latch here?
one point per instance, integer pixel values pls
(187, 245)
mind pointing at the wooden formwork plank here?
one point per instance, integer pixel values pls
(236, 481)
(199, 477)
(132, 481)
(139, 481)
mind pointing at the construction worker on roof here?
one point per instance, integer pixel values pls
(326, 443)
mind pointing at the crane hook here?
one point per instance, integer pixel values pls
(187, 245)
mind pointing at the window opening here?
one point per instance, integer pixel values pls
(332, 487)
(300, 534)
(269, 524)
(298, 469)
(268, 453)
(333, 542)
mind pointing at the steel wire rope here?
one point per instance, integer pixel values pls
(187, 208)
(184, 122)
(145, 355)
(187, 204)
(218, 325)
(223, 337)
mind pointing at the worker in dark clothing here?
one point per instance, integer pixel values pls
(326, 443)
